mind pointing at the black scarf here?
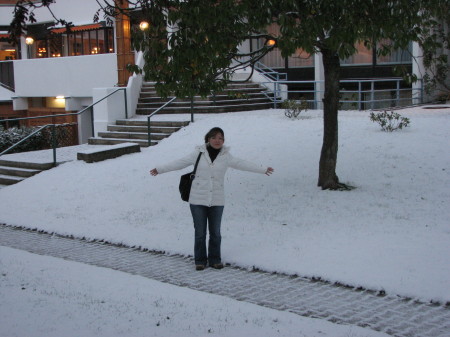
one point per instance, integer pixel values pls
(213, 153)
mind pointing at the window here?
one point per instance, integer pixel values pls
(7, 51)
(397, 56)
(81, 40)
(56, 46)
(366, 56)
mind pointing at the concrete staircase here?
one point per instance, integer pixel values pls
(135, 131)
(12, 172)
(236, 97)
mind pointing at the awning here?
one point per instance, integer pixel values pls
(80, 28)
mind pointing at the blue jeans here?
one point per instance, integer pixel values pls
(204, 217)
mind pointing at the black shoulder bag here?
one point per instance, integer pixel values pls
(186, 181)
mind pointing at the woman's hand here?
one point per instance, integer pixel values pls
(154, 172)
(269, 171)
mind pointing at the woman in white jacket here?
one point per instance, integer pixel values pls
(207, 195)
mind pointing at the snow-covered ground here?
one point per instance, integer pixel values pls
(392, 232)
(49, 297)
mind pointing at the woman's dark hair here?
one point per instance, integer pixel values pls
(213, 132)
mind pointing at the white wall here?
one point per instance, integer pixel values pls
(134, 86)
(108, 110)
(68, 76)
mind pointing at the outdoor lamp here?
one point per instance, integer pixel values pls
(29, 40)
(144, 25)
(271, 42)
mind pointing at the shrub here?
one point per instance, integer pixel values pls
(293, 108)
(389, 120)
(11, 136)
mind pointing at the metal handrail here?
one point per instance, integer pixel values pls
(268, 72)
(54, 143)
(154, 113)
(274, 77)
(359, 91)
(63, 115)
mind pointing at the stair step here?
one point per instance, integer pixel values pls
(132, 135)
(113, 141)
(227, 92)
(210, 103)
(10, 180)
(17, 171)
(230, 85)
(218, 98)
(12, 172)
(26, 165)
(141, 128)
(208, 109)
(143, 122)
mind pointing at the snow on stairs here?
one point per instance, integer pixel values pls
(236, 97)
(12, 172)
(135, 131)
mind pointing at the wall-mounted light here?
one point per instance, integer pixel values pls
(58, 102)
(271, 42)
(144, 25)
(29, 40)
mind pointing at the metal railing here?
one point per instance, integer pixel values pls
(154, 113)
(274, 78)
(270, 73)
(355, 94)
(54, 142)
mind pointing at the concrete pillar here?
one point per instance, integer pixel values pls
(125, 55)
(319, 78)
(418, 69)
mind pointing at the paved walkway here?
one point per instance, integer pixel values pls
(391, 314)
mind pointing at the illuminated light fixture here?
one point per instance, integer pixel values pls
(60, 97)
(144, 25)
(29, 40)
(271, 42)
(10, 50)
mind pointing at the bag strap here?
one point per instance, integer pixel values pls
(196, 163)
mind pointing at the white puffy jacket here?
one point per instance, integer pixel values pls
(207, 188)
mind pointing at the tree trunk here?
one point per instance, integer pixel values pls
(327, 165)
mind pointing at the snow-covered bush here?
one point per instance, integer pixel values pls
(11, 136)
(389, 120)
(293, 108)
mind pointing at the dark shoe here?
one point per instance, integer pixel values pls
(217, 266)
(200, 267)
